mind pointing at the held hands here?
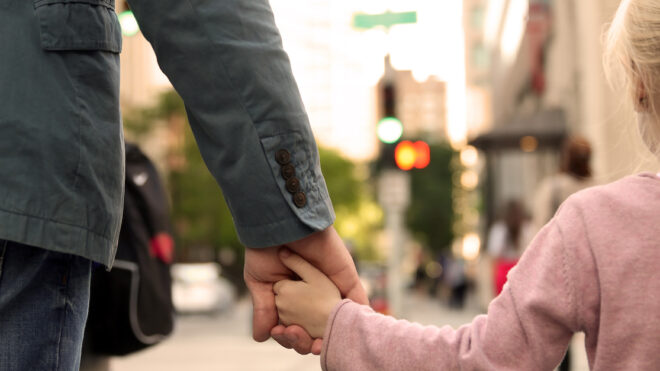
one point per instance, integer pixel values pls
(307, 302)
(325, 251)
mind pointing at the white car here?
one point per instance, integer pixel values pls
(198, 288)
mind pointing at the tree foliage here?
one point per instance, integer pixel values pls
(430, 216)
(359, 218)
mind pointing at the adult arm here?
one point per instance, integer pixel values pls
(225, 59)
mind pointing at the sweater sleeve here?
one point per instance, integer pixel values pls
(527, 327)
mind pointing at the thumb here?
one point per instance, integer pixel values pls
(300, 266)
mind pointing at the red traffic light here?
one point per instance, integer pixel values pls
(408, 155)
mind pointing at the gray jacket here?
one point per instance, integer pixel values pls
(61, 142)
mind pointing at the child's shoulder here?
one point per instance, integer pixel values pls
(628, 198)
(627, 189)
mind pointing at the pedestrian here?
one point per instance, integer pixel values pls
(574, 175)
(62, 160)
(592, 268)
(457, 282)
(507, 240)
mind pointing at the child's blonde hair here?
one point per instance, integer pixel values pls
(632, 59)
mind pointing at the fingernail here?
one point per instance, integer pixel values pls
(292, 338)
(285, 253)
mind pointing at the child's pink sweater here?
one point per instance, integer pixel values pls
(594, 268)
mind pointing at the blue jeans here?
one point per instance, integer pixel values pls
(44, 298)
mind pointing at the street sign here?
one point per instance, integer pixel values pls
(388, 19)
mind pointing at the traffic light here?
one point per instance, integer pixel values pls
(404, 155)
(128, 23)
(389, 130)
(409, 155)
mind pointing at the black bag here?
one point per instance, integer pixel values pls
(131, 305)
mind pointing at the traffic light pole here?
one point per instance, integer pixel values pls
(394, 196)
(394, 185)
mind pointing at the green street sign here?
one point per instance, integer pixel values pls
(388, 19)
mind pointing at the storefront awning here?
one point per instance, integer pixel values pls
(543, 130)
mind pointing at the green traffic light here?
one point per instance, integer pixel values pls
(389, 130)
(129, 26)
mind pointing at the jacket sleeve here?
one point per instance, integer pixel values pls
(225, 59)
(528, 326)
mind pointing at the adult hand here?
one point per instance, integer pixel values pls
(263, 268)
(326, 251)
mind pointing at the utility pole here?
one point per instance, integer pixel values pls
(394, 196)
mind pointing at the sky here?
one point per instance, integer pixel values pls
(337, 66)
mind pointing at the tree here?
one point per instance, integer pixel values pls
(430, 215)
(359, 217)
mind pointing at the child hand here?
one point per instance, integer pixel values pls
(308, 302)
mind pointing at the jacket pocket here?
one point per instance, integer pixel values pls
(78, 25)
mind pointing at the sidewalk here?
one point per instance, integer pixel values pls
(210, 343)
(223, 342)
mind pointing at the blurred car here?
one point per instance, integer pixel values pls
(199, 288)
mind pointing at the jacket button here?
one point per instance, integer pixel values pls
(299, 199)
(288, 171)
(283, 157)
(293, 185)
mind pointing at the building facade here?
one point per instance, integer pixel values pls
(545, 57)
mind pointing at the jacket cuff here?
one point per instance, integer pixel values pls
(279, 233)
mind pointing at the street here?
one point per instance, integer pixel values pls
(202, 343)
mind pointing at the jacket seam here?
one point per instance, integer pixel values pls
(79, 120)
(267, 224)
(105, 3)
(87, 45)
(54, 221)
